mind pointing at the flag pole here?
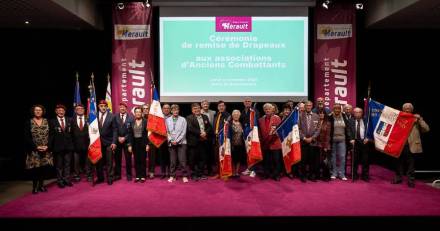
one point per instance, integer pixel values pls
(92, 89)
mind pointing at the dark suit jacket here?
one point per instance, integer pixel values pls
(123, 128)
(80, 138)
(60, 140)
(223, 116)
(193, 129)
(130, 140)
(352, 122)
(109, 130)
(315, 128)
(244, 117)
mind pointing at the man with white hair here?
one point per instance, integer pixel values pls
(360, 153)
(412, 146)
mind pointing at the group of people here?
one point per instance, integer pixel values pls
(192, 145)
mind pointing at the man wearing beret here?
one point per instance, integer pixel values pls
(124, 121)
(108, 131)
(60, 143)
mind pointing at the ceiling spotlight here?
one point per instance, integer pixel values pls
(26, 22)
(325, 4)
(359, 6)
(120, 5)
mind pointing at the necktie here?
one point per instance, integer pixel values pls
(101, 120)
(308, 122)
(81, 125)
(62, 123)
(122, 118)
(358, 129)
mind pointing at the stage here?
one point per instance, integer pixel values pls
(243, 197)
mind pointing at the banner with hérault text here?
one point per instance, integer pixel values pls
(132, 55)
(335, 54)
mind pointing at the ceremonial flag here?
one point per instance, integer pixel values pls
(94, 152)
(288, 132)
(76, 96)
(388, 127)
(253, 147)
(156, 122)
(224, 141)
(108, 94)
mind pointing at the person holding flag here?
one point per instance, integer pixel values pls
(249, 119)
(157, 131)
(289, 133)
(271, 144)
(224, 153)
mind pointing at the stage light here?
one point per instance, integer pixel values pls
(147, 4)
(325, 4)
(359, 6)
(120, 5)
(26, 22)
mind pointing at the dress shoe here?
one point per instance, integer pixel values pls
(42, 189)
(396, 181)
(290, 176)
(68, 183)
(163, 176)
(128, 178)
(61, 185)
(276, 178)
(143, 180)
(303, 179)
(99, 181)
(110, 182)
(411, 184)
(77, 178)
(89, 179)
(365, 178)
(117, 178)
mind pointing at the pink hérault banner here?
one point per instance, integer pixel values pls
(132, 55)
(335, 54)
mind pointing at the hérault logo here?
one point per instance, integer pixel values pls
(131, 32)
(334, 31)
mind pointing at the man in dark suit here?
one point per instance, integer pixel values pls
(81, 140)
(108, 131)
(244, 119)
(309, 130)
(124, 121)
(60, 143)
(219, 121)
(198, 137)
(358, 127)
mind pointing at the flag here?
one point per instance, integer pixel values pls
(76, 96)
(156, 122)
(288, 132)
(253, 147)
(94, 153)
(388, 127)
(108, 94)
(224, 140)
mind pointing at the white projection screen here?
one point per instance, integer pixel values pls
(220, 53)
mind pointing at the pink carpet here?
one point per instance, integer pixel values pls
(238, 197)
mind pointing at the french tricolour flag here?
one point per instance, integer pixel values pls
(253, 147)
(156, 122)
(388, 127)
(288, 132)
(225, 158)
(94, 153)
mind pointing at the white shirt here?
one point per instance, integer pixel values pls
(103, 118)
(124, 116)
(62, 121)
(362, 130)
(77, 120)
